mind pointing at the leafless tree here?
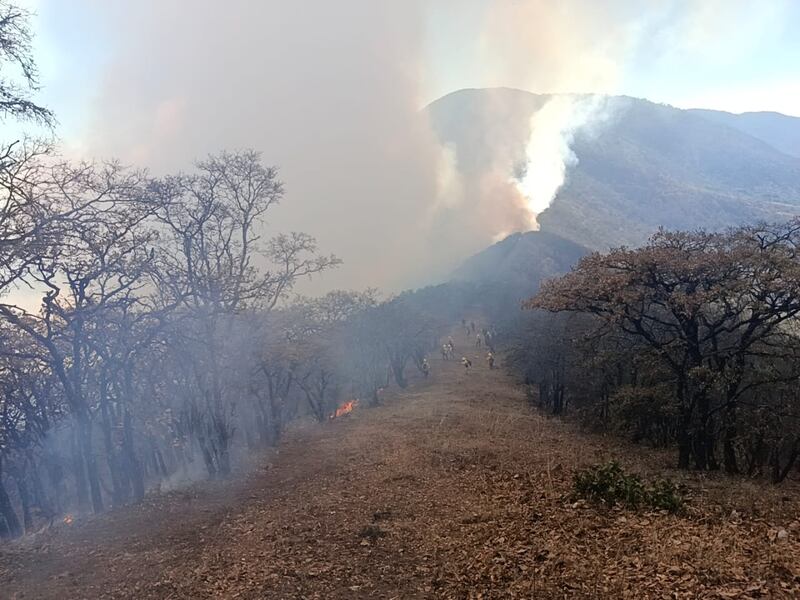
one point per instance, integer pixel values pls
(219, 265)
(16, 55)
(100, 265)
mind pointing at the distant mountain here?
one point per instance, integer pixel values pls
(514, 266)
(779, 131)
(644, 166)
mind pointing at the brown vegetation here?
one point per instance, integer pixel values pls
(696, 329)
(454, 488)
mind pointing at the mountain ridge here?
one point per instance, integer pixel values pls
(647, 166)
(650, 165)
(524, 258)
(780, 131)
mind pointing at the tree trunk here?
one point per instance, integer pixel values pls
(779, 474)
(729, 450)
(158, 460)
(558, 396)
(704, 443)
(78, 470)
(375, 399)
(39, 496)
(55, 476)
(134, 466)
(7, 510)
(92, 474)
(224, 459)
(398, 368)
(208, 458)
(276, 420)
(25, 500)
(684, 446)
(118, 496)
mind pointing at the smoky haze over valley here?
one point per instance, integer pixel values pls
(381, 299)
(334, 94)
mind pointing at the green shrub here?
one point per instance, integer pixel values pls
(609, 484)
(665, 495)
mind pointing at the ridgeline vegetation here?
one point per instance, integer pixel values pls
(689, 342)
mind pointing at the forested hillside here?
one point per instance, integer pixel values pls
(782, 132)
(640, 166)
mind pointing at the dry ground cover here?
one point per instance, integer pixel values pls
(452, 489)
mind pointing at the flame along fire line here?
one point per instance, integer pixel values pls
(344, 409)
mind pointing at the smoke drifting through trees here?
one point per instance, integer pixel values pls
(163, 347)
(162, 344)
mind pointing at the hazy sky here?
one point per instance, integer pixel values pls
(734, 55)
(330, 92)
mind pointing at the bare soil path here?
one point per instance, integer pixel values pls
(454, 488)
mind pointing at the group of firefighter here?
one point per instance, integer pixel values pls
(482, 337)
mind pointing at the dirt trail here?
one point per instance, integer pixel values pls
(454, 488)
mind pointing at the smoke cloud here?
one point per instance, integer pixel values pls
(549, 153)
(332, 94)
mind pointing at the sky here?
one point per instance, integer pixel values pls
(731, 55)
(331, 92)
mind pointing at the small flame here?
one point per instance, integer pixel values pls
(68, 520)
(344, 409)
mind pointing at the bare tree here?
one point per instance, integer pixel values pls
(216, 262)
(99, 267)
(16, 55)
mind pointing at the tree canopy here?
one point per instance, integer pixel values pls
(709, 306)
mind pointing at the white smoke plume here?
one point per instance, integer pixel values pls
(549, 154)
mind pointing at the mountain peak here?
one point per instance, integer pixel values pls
(648, 165)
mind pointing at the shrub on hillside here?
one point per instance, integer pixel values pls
(609, 484)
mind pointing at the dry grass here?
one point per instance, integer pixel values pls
(453, 489)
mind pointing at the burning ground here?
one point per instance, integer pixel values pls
(453, 489)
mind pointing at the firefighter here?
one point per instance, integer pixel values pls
(466, 362)
(478, 341)
(490, 360)
(426, 368)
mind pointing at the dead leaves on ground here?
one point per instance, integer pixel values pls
(438, 494)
